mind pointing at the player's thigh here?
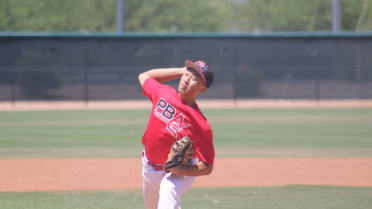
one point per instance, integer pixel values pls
(151, 177)
(175, 184)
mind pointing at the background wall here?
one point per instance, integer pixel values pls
(75, 66)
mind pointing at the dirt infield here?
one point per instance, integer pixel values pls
(121, 173)
(217, 104)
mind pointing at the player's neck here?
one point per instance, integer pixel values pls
(189, 101)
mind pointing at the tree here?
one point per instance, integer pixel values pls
(67, 15)
(299, 15)
(283, 15)
(98, 15)
(172, 15)
(361, 21)
(183, 16)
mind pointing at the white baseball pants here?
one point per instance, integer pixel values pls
(163, 190)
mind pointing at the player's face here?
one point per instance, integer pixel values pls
(191, 85)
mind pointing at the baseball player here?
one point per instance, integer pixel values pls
(175, 114)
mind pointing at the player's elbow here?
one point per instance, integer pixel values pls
(142, 78)
(209, 169)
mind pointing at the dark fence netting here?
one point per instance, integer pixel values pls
(246, 67)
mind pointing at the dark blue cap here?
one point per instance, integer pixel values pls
(202, 68)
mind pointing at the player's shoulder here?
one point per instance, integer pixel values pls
(164, 90)
(149, 81)
(199, 112)
(153, 85)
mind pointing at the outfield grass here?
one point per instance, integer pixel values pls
(237, 133)
(284, 197)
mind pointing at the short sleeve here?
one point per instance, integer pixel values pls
(150, 88)
(205, 151)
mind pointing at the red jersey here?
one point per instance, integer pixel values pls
(172, 119)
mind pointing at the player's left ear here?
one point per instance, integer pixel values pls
(203, 88)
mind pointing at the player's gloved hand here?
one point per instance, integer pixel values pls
(181, 154)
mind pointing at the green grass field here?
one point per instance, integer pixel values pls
(284, 197)
(238, 133)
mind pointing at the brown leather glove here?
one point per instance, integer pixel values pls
(181, 154)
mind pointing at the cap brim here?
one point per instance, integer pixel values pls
(190, 64)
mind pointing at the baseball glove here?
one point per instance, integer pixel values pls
(181, 154)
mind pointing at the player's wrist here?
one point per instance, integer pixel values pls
(176, 171)
(181, 71)
(188, 170)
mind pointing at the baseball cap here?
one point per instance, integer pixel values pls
(202, 68)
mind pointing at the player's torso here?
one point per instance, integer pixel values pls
(169, 121)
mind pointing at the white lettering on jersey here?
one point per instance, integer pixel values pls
(174, 122)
